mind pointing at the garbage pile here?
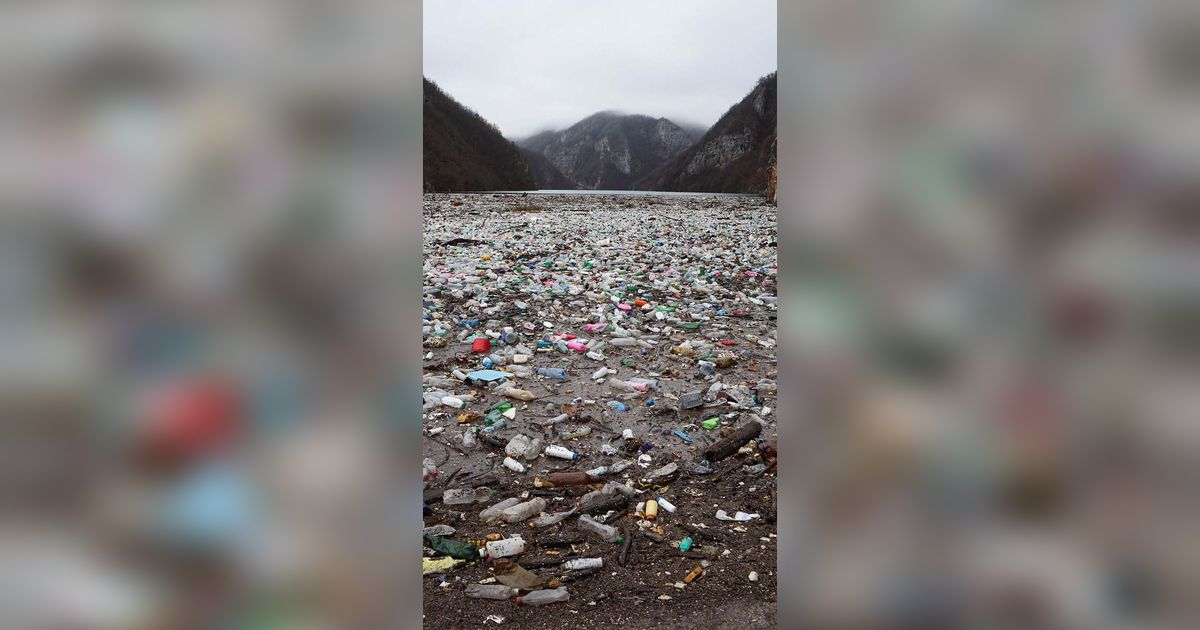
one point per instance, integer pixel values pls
(598, 373)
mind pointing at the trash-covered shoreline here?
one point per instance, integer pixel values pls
(599, 410)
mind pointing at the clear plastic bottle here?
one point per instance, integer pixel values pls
(551, 519)
(523, 511)
(554, 420)
(495, 512)
(456, 496)
(578, 433)
(545, 596)
(468, 439)
(614, 487)
(618, 385)
(606, 532)
(601, 373)
(597, 472)
(490, 591)
(623, 342)
(516, 394)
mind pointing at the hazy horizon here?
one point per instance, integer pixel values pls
(528, 66)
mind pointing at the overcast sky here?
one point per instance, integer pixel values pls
(528, 65)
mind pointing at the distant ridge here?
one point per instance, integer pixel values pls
(464, 152)
(607, 150)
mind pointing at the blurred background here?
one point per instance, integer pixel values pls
(210, 226)
(209, 314)
(992, 293)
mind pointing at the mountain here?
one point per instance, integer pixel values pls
(736, 154)
(693, 130)
(609, 150)
(545, 174)
(465, 152)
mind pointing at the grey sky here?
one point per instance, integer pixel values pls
(526, 65)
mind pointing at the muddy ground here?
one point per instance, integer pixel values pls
(626, 236)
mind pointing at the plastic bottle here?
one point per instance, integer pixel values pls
(613, 487)
(517, 394)
(619, 466)
(451, 401)
(545, 596)
(490, 591)
(561, 452)
(601, 373)
(623, 342)
(606, 532)
(583, 563)
(459, 374)
(514, 465)
(665, 504)
(554, 420)
(621, 386)
(457, 496)
(550, 519)
(520, 358)
(554, 373)
(468, 438)
(504, 547)
(570, 478)
(495, 512)
(651, 510)
(597, 472)
(615, 404)
(523, 511)
(429, 469)
(595, 356)
(495, 426)
(578, 433)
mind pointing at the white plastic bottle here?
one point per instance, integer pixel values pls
(490, 591)
(451, 401)
(583, 563)
(601, 373)
(561, 452)
(545, 596)
(514, 465)
(523, 511)
(504, 547)
(606, 532)
(666, 505)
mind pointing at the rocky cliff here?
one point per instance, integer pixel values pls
(735, 155)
